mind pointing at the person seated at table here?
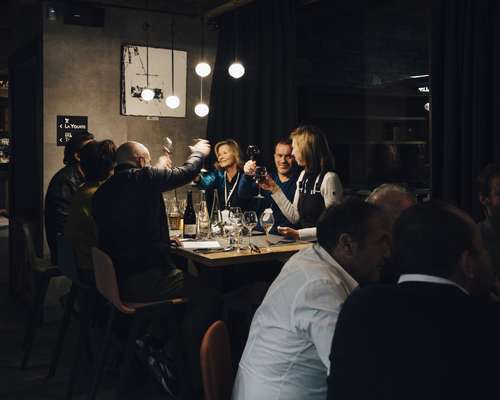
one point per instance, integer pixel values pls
(286, 354)
(97, 160)
(61, 189)
(131, 221)
(393, 200)
(285, 175)
(318, 186)
(227, 175)
(427, 337)
(489, 197)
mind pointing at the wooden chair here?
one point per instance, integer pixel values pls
(216, 364)
(107, 286)
(43, 271)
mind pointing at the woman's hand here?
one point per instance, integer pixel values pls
(289, 232)
(249, 167)
(269, 184)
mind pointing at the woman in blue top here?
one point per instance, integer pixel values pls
(227, 175)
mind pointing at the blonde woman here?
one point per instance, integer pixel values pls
(318, 186)
(227, 175)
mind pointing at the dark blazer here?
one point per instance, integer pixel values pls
(130, 215)
(414, 341)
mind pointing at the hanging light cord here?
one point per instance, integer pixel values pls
(172, 56)
(146, 27)
(202, 38)
(236, 31)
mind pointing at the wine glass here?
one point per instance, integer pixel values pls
(250, 221)
(168, 145)
(253, 152)
(182, 204)
(267, 222)
(260, 176)
(235, 217)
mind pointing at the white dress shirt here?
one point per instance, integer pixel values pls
(429, 279)
(286, 356)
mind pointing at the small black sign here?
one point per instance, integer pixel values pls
(69, 125)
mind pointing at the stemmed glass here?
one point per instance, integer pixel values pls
(203, 170)
(260, 176)
(253, 152)
(250, 221)
(267, 222)
(235, 217)
(168, 145)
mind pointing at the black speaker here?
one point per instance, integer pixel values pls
(85, 15)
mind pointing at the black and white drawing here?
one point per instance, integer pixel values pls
(155, 69)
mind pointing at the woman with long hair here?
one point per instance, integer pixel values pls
(318, 186)
(227, 175)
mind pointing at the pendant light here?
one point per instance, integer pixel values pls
(236, 69)
(203, 69)
(147, 94)
(172, 101)
(201, 109)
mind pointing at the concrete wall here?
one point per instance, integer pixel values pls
(82, 77)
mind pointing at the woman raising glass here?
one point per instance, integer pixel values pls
(226, 176)
(318, 186)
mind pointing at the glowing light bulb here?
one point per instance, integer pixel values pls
(201, 110)
(147, 94)
(172, 101)
(236, 70)
(203, 69)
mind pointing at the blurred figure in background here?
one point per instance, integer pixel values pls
(97, 160)
(61, 189)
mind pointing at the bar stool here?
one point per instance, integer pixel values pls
(43, 271)
(107, 286)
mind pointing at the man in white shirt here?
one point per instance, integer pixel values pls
(286, 354)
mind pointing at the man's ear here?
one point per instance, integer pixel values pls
(347, 245)
(77, 157)
(484, 200)
(467, 266)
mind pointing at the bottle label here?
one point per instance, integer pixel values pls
(189, 229)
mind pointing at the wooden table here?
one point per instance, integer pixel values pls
(280, 251)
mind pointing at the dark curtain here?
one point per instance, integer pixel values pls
(465, 96)
(261, 106)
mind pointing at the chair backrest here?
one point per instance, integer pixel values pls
(105, 279)
(216, 364)
(66, 258)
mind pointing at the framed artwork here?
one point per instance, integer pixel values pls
(158, 64)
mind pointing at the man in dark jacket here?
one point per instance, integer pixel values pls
(132, 228)
(61, 189)
(429, 337)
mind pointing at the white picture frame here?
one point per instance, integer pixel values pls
(159, 68)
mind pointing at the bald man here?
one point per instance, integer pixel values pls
(132, 228)
(393, 200)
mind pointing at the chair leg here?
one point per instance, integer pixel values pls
(63, 329)
(41, 285)
(102, 359)
(129, 354)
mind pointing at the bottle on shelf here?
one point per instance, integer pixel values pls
(203, 218)
(189, 230)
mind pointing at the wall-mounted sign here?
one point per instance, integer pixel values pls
(69, 125)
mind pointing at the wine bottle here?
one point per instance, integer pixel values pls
(189, 218)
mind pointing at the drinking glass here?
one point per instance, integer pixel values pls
(235, 217)
(250, 221)
(260, 176)
(267, 222)
(253, 152)
(168, 145)
(182, 204)
(203, 170)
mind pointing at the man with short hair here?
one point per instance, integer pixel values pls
(286, 355)
(285, 175)
(61, 189)
(131, 221)
(426, 338)
(489, 197)
(393, 199)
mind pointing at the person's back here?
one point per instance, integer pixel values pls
(428, 337)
